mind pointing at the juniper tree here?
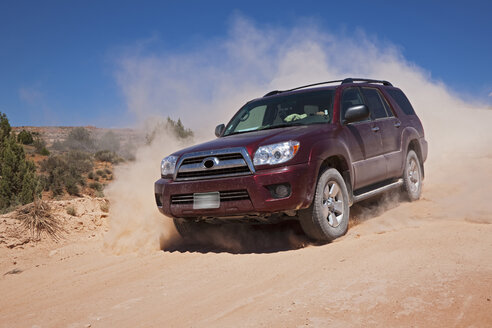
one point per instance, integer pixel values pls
(19, 183)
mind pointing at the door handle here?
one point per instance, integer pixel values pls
(397, 124)
(375, 128)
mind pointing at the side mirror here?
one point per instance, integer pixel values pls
(219, 129)
(356, 113)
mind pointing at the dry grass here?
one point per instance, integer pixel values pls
(38, 220)
(71, 210)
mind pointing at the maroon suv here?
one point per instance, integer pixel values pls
(307, 153)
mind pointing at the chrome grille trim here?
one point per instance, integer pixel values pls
(223, 165)
(231, 162)
(225, 196)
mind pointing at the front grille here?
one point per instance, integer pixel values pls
(219, 164)
(221, 157)
(225, 196)
(214, 173)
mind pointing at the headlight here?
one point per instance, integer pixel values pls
(168, 165)
(276, 153)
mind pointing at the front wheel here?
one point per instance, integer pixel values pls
(327, 217)
(412, 177)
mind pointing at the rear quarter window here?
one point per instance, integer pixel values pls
(402, 101)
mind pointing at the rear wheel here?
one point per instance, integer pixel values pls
(412, 177)
(328, 216)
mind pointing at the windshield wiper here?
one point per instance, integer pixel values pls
(283, 125)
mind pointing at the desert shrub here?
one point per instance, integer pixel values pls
(108, 171)
(105, 207)
(99, 193)
(64, 172)
(44, 151)
(25, 137)
(96, 178)
(38, 219)
(99, 172)
(96, 186)
(110, 177)
(19, 183)
(71, 210)
(71, 186)
(109, 142)
(107, 156)
(175, 128)
(90, 175)
(40, 146)
(79, 138)
(58, 145)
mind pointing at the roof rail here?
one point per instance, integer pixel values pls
(271, 93)
(352, 80)
(345, 81)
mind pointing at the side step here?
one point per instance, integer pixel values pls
(374, 192)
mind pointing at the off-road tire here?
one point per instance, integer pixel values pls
(320, 221)
(412, 177)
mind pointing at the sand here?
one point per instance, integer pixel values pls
(424, 264)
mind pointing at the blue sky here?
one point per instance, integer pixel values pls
(59, 59)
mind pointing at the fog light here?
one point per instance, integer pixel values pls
(280, 190)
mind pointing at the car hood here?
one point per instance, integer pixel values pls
(252, 140)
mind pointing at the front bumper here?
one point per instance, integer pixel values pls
(300, 177)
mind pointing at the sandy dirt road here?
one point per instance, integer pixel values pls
(427, 263)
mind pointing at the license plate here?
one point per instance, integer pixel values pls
(206, 200)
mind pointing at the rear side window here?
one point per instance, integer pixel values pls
(401, 100)
(374, 102)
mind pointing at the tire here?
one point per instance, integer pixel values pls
(412, 177)
(189, 229)
(328, 216)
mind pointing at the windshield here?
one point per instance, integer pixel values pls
(305, 108)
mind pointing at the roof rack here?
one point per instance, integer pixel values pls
(352, 80)
(345, 81)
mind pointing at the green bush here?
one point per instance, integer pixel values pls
(71, 210)
(100, 172)
(19, 183)
(44, 151)
(108, 171)
(107, 156)
(175, 128)
(109, 142)
(90, 175)
(96, 186)
(80, 139)
(25, 137)
(40, 146)
(65, 172)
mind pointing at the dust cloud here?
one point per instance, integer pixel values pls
(135, 223)
(205, 87)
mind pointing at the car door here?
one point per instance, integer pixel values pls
(365, 143)
(389, 129)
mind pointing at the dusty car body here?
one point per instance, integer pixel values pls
(307, 153)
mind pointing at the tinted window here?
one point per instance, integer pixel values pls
(386, 105)
(402, 101)
(373, 101)
(350, 97)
